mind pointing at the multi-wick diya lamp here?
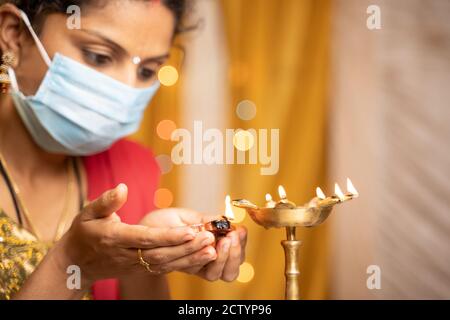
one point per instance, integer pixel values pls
(286, 214)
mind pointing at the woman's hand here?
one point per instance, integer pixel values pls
(230, 255)
(104, 247)
(227, 254)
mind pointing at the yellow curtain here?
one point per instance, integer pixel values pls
(279, 60)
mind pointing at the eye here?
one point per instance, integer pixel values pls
(146, 74)
(96, 59)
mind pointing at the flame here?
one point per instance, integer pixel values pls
(268, 197)
(228, 209)
(320, 193)
(351, 189)
(282, 192)
(338, 192)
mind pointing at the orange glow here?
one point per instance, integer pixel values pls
(165, 129)
(163, 198)
(240, 214)
(246, 273)
(168, 76)
(243, 140)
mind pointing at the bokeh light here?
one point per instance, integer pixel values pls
(163, 198)
(239, 215)
(246, 110)
(243, 140)
(168, 76)
(246, 273)
(165, 128)
(165, 163)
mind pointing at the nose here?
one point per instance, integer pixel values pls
(129, 75)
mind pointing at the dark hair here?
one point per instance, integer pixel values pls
(38, 9)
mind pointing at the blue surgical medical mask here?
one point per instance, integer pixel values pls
(77, 110)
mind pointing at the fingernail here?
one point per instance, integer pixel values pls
(208, 240)
(207, 256)
(122, 187)
(226, 246)
(115, 192)
(188, 237)
(235, 240)
(112, 194)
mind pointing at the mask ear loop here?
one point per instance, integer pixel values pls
(39, 45)
(42, 51)
(13, 79)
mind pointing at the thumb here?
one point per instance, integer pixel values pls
(108, 203)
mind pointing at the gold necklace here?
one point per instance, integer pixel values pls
(63, 219)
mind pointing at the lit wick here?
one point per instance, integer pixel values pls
(339, 196)
(229, 214)
(338, 193)
(219, 226)
(323, 201)
(282, 193)
(284, 203)
(320, 194)
(269, 202)
(351, 190)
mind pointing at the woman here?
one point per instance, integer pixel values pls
(71, 96)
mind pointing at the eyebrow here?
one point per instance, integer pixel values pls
(121, 49)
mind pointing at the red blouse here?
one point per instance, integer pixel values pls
(130, 163)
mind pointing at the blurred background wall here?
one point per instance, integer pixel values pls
(390, 131)
(348, 101)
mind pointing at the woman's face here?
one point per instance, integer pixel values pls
(127, 40)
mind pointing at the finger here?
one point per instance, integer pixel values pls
(243, 236)
(200, 258)
(137, 236)
(188, 216)
(193, 270)
(108, 203)
(197, 259)
(242, 232)
(214, 270)
(163, 255)
(231, 268)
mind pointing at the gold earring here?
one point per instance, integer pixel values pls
(8, 60)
